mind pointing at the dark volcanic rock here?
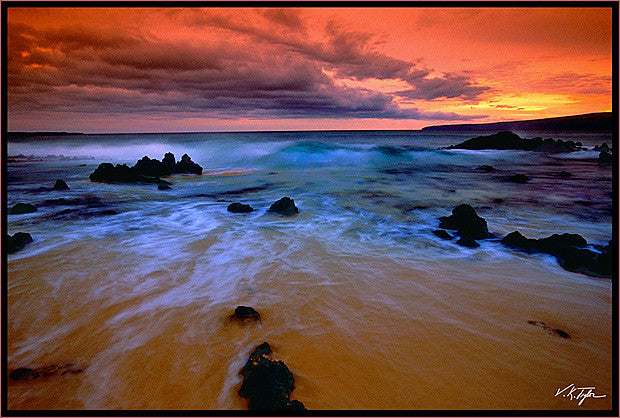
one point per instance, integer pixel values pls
(186, 165)
(506, 140)
(86, 201)
(605, 158)
(20, 208)
(267, 383)
(518, 178)
(146, 170)
(468, 242)
(549, 245)
(245, 312)
(442, 234)
(60, 185)
(550, 329)
(17, 241)
(565, 174)
(284, 206)
(163, 186)
(239, 208)
(27, 374)
(603, 147)
(74, 214)
(466, 222)
(485, 168)
(569, 251)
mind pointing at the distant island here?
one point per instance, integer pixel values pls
(591, 122)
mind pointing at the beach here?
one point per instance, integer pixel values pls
(366, 306)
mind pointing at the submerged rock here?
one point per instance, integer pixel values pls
(239, 208)
(486, 168)
(284, 206)
(569, 251)
(27, 374)
(246, 312)
(550, 329)
(60, 185)
(605, 158)
(468, 225)
(17, 241)
(468, 242)
(603, 147)
(146, 170)
(267, 383)
(565, 174)
(441, 233)
(86, 201)
(506, 140)
(518, 178)
(20, 208)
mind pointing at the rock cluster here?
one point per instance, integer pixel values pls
(146, 170)
(506, 140)
(568, 249)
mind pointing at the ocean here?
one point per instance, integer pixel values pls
(363, 303)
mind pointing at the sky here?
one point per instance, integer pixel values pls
(92, 70)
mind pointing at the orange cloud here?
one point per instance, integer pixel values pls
(292, 68)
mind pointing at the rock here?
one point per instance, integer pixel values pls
(468, 242)
(506, 140)
(17, 241)
(23, 373)
(603, 147)
(485, 168)
(87, 213)
(163, 186)
(582, 260)
(27, 374)
(239, 208)
(284, 206)
(20, 208)
(466, 222)
(186, 165)
(267, 383)
(146, 170)
(565, 174)
(60, 185)
(442, 234)
(86, 201)
(550, 245)
(518, 178)
(550, 329)
(246, 312)
(498, 200)
(605, 158)
(568, 250)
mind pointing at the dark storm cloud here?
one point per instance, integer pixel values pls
(277, 72)
(450, 86)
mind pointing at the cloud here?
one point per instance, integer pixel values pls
(449, 86)
(571, 83)
(228, 68)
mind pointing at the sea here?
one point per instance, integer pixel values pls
(370, 310)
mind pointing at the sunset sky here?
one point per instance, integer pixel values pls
(183, 70)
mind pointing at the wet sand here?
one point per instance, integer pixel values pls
(382, 329)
